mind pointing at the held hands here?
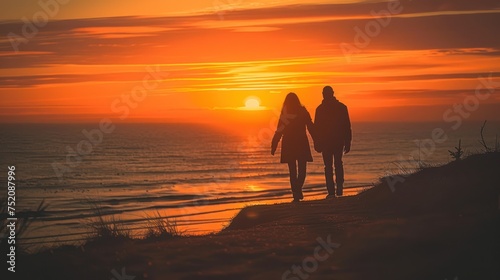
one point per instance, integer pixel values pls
(347, 149)
(317, 147)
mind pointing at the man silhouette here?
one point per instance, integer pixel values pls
(333, 139)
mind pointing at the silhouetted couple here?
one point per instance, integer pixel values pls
(331, 133)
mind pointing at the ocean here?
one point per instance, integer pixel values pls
(196, 175)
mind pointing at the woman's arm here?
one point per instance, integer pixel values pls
(277, 135)
(276, 140)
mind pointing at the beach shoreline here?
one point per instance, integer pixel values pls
(196, 219)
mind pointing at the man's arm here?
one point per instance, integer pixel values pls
(348, 132)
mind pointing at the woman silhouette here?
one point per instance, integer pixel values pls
(295, 149)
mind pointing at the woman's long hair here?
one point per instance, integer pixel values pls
(291, 105)
(291, 108)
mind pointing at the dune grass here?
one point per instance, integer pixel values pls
(23, 224)
(159, 227)
(108, 228)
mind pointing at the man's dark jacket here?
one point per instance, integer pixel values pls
(332, 126)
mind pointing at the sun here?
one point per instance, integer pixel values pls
(252, 103)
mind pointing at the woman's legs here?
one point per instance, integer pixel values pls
(301, 177)
(297, 178)
(292, 168)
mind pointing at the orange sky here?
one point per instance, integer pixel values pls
(86, 63)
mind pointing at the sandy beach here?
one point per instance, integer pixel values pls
(440, 223)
